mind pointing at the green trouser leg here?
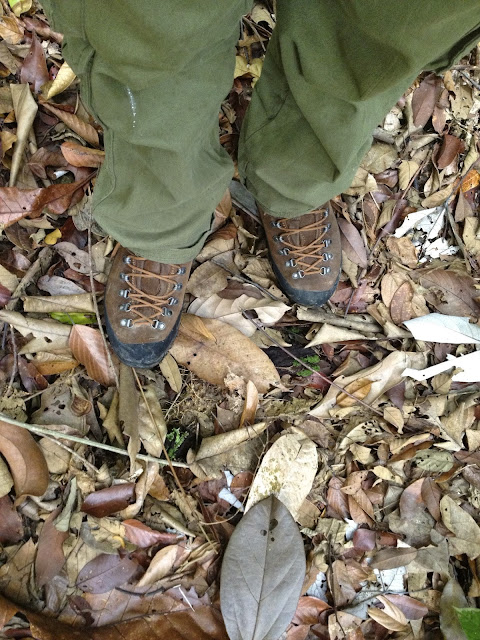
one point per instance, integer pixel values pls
(154, 73)
(332, 71)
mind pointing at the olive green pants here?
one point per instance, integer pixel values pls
(154, 73)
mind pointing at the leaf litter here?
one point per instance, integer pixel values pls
(338, 450)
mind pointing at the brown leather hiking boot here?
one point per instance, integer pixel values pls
(143, 303)
(306, 254)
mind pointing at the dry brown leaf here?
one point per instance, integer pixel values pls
(34, 68)
(88, 347)
(228, 352)
(451, 291)
(359, 388)
(152, 428)
(461, 523)
(63, 80)
(84, 130)
(25, 111)
(80, 302)
(11, 29)
(250, 406)
(401, 305)
(49, 558)
(161, 565)
(352, 243)
(450, 149)
(25, 459)
(79, 156)
(207, 279)
(171, 372)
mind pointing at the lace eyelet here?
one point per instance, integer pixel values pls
(325, 214)
(181, 271)
(327, 256)
(324, 271)
(124, 293)
(127, 259)
(172, 301)
(124, 307)
(124, 277)
(126, 322)
(177, 286)
(298, 274)
(156, 324)
(167, 312)
(326, 243)
(277, 224)
(284, 252)
(278, 238)
(291, 263)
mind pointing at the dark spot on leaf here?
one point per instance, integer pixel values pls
(273, 524)
(263, 532)
(272, 539)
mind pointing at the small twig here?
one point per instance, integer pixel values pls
(43, 431)
(469, 79)
(41, 264)
(306, 366)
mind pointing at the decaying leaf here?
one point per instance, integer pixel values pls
(228, 351)
(262, 573)
(287, 472)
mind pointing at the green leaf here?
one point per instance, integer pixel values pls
(74, 318)
(470, 622)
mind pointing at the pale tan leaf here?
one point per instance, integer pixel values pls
(79, 302)
(230, 310)
(6, 480)
(452, 597)
(287, 471)
(63, 80)
(25, 111)
(11, 29)
(391, 617)
(152, 428)
(160, 566)
(25, 460)
(207, 279)
(171, 372)
(88, 347)
(229, 352)
(48, 335)
(329, 334)
(461, 523)
(360, 388)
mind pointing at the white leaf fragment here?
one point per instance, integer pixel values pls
(436, 327)
(469, 365)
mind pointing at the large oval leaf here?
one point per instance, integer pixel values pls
(262, 573)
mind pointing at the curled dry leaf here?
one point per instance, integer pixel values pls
(161, 565)
(287, 471)
(25, 459)
(63, 80)
(391, 617)
(110, 500)
(144, 536)
(262, 573)
(80, 302)
(80, 156)
(88, 347)
(84, 130)
(227, 351)
(250, 406)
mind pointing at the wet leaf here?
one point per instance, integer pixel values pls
(89, 349)
(110, 500)
(25, 460)
(228, 352)
(262, 573)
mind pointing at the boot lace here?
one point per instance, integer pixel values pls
(139, 301)
(309, 257)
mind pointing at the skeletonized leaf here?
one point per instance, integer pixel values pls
(25, 460)
(88, 347)
(63, 80)
(228, 351)
(287, 471)
(262, 573)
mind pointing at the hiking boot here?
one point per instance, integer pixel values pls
(143, 304)
(306, 255)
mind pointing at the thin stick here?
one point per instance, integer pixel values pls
(469, 79)
(43, 431)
